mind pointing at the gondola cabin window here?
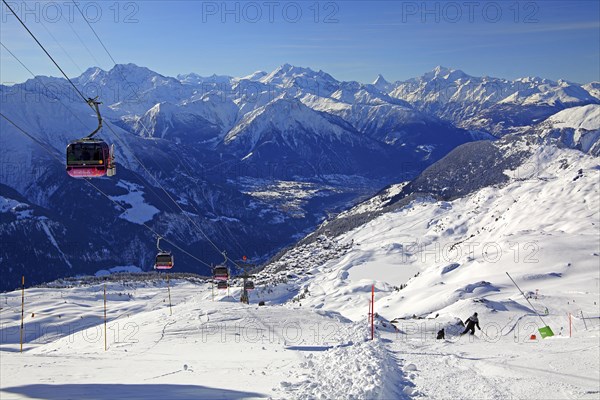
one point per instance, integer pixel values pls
(85, 153)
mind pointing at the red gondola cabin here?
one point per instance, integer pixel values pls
(90, 158)
(222, 285)
(221, 273)
(164, 260)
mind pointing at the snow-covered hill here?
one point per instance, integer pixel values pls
(208, 345)
(577, 127)
(434, 260)
(541, 223)
(200, 349)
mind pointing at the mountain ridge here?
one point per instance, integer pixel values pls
(317, 146)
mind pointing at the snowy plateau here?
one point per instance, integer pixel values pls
(429, 194)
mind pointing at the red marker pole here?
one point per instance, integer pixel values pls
(105, 339)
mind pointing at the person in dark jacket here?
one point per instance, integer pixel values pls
(441, 334)
(471, 323)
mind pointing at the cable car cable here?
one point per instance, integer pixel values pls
(94, 31)
(49, 90)
(45, 51)
(60, 45)
(19, 61)
(81, 40)
(36, 140)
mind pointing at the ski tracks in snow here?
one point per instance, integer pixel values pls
(484, 370)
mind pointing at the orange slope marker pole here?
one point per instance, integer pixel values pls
(22, 309)
(570, 325)
(105, 342)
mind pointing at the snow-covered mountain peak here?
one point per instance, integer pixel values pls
(380, 81)
(496, 105)
(445, 73)
(381, 84)
(290, 126)
(545, 92)
(357, 93)
(134, 73)
(593, 88)
(533, 80)
(163, 107)
(288, 75)
(92, 74)
(282, 113)
(255, 76)
(195, 79)
(125, 80)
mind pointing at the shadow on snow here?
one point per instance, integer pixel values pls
(98, 391)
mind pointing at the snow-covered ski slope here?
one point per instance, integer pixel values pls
(226, 350)
(542, 228)
(433, 262)
(206, 349)
(309, 340)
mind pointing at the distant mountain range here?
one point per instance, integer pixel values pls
(254, 163)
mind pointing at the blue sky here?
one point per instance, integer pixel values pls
(352, 40)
